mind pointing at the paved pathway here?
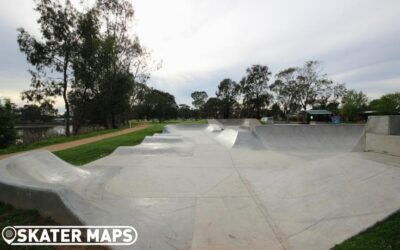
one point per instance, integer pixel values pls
(71, 144)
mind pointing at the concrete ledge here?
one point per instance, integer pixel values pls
(388, 144)
(384, 125)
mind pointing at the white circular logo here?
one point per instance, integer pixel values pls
(9, 234)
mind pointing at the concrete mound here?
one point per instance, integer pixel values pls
(44, 167)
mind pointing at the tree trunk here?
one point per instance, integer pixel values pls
(258, 112)
(113, 124)
(65, 97)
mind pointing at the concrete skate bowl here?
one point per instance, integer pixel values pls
(314, 138)
(196, 187)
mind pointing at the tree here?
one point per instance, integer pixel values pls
(313, 86)
(353, 103)
(199, 99)
(87, 69)
(7, 123)
(45, 112)
(51, 55)
(212, 107)
(184, 111)
(228, 92)
(138, 99)
(110, 65)
(276, 111)
(300, 88)
(287, 89)
(160, 105)
(387, 105)
(254, 87)
(119, 52)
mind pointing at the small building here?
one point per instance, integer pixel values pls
(316, 115)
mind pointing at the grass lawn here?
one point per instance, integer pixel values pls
(384, 235)
(54, 140)
(10, 216)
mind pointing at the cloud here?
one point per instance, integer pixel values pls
(203, 42)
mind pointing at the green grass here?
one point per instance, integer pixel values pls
(10, 216)
(54, 140)
(384, 235)
(92, 151)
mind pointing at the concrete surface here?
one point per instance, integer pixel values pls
(219, 186)
(385, 125)
(388, 144)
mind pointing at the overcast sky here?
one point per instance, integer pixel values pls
(203, 42)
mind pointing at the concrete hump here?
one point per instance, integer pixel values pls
(163, 138)
(324, 137)
(43, 167)
(149, 149)
(244, 123)
(214, 128)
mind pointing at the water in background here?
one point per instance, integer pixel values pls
(34, 133)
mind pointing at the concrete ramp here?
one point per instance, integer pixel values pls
(239, 138)
(214, 128)
(327, 137)
(43, 167)
(167, 138)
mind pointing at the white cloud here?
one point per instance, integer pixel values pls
(202, 42)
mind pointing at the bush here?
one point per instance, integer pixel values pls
(7, 122)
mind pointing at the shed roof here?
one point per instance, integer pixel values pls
(319, 112)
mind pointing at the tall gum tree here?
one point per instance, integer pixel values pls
(228, 93)
(254, 87)
(52, 53)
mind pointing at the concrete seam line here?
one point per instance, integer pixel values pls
(275, 229)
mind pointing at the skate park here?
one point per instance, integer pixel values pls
(228, 184)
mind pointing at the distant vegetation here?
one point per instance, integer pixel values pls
(294, 89)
